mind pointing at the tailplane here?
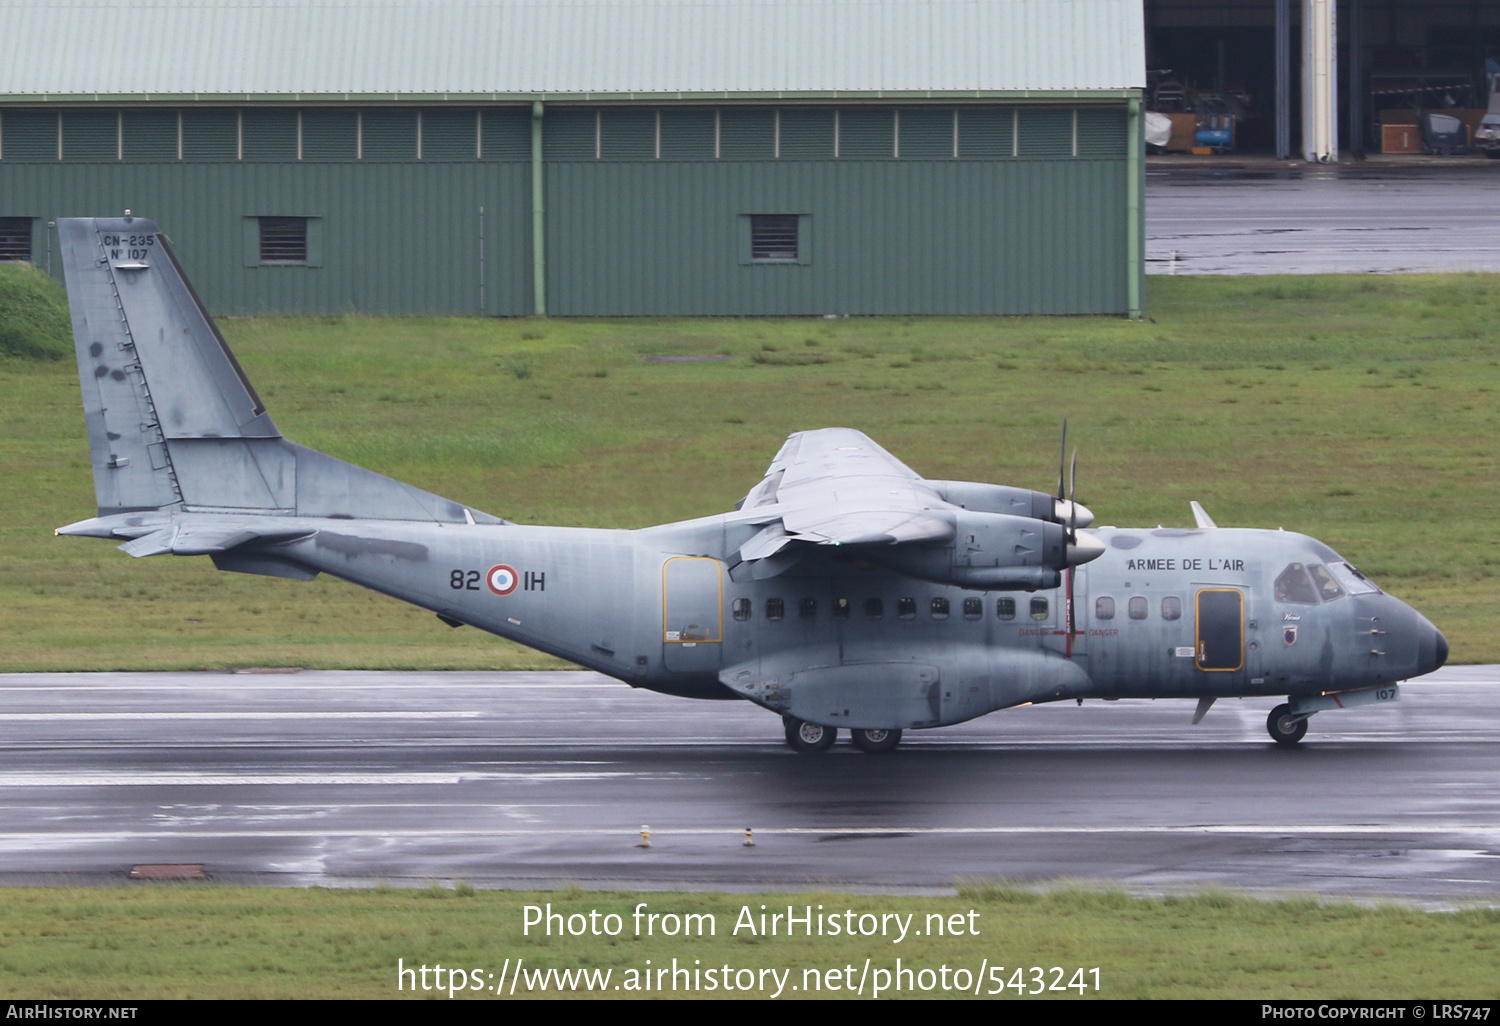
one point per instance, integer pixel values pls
(174, 425)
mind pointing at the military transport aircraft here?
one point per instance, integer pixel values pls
(843, 592)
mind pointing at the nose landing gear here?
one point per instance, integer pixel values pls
(1285, 728)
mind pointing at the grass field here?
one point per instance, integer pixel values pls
(1361, 410)
(196, 942)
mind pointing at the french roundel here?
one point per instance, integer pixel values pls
(502, 579)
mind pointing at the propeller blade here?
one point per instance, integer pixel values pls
(1062, 461)
(1072, 502)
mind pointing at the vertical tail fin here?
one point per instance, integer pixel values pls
(174, 424)
(152, 364)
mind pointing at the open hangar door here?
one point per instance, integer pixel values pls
(1316, 78)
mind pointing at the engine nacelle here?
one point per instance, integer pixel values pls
(991, 552)
(1019, 502)
(993, 498)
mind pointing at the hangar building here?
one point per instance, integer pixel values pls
(593, 157)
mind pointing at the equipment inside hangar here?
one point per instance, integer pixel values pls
(1319, 78)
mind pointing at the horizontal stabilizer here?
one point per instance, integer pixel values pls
(191, 539)
(189, 534)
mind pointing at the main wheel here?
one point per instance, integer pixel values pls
(808, 738)
(874, 741)
(1285, 729)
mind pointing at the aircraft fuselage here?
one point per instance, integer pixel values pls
(1164, 613)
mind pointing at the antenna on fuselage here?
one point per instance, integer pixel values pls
(1200, 515)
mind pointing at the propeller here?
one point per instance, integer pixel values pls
(1072, 503)
(1065, 508)
(1062, 460)
(1079, 549)
(1067, 511)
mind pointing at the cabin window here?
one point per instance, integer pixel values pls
(841, 609)
(807, 608)
(874, 608)
(940, 609)
(1039, 609)
(1328, 588)
(775, 609)
(906, 608)
(1005, 609)
(1137, 607)
(1171, 608)
(742, 608)
(1294, 586)
(973, 608)
(1104, 608)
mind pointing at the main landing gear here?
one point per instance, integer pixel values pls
(874, 741)
(1286, 729)
(808, 738)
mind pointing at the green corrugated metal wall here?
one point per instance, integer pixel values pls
(919, 237)
(396, 238)
(1028, 217)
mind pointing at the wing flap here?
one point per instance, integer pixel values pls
(835, 486)
(870, 527)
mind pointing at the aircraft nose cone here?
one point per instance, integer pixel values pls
(1432, 647)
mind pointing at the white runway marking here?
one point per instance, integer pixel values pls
(284, 779)
(659, 834)
(252, 714)
(218, 780)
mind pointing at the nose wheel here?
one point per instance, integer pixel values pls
(1285, 729)
(809, 738)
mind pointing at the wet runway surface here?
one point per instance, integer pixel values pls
(1316, 220)
(543, 780)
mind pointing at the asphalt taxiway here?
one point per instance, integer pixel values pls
(541, 780)
(1313, 219)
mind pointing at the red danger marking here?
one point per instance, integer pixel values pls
(502, 579)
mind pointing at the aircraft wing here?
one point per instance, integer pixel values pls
(836, 486)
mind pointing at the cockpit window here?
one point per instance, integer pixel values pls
(1328, 588)
(1354, 582)
(1294, 586)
